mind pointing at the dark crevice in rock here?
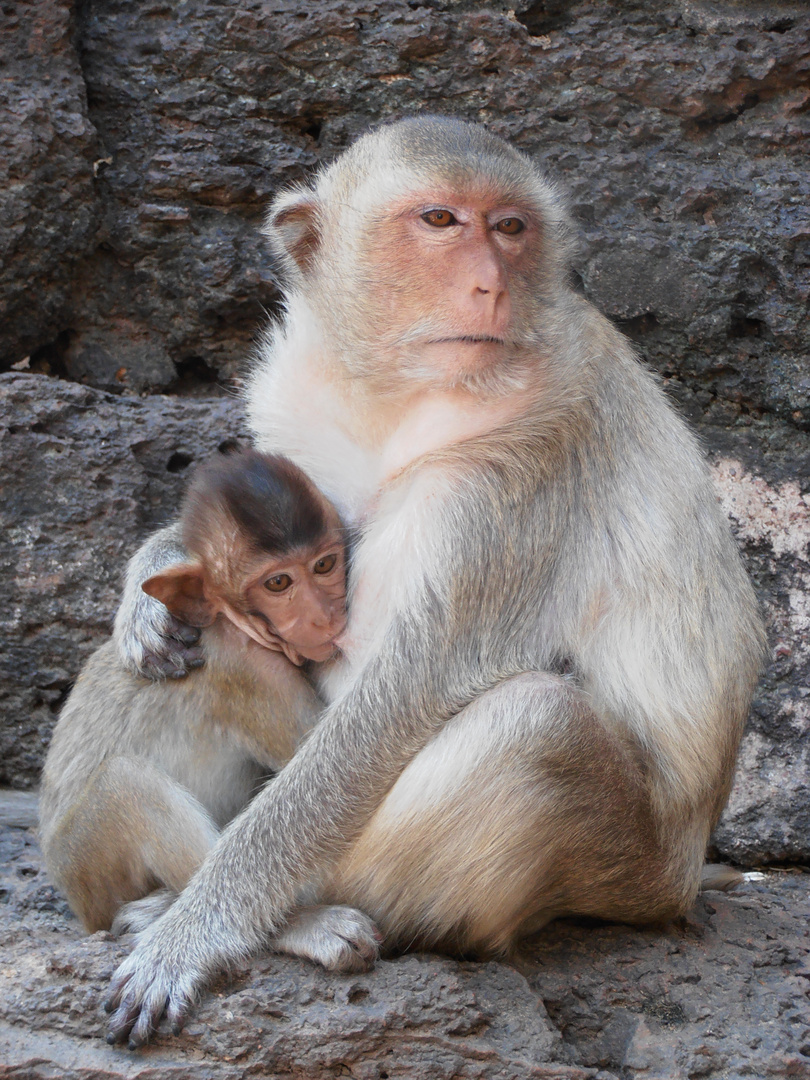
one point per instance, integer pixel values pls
(639, 325)
(742, 326)
(194, 375)
(544, 16)
(722, 115)
(313, 130)
(779, 24)
(49, 359)
(230, 446)
(178, 462)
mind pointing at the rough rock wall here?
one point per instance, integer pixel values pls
(48, 207)
(144, 141)
(675, 127)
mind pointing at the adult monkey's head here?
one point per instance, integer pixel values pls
(430, 253)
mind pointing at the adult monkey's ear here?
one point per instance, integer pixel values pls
(292, 225)
(182, 589)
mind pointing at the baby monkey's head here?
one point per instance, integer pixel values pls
(267, 552)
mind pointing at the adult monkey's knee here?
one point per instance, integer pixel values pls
(525, 805)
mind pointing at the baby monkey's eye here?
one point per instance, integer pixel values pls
(324, 565)
(510, 225)
(278, 583)
(439, 218)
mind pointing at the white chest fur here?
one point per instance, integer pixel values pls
(349, 448)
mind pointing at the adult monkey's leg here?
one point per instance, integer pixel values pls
(524, 807)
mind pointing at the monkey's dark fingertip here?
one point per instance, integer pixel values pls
(177, 1027)
(136, 1041)
(107, 1005)
(111, 1038)
(188, 635)
(156, 667)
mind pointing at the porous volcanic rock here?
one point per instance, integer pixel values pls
(84, 477)
(677, 129)
(761, 474)
(47, 198)
(723, 993)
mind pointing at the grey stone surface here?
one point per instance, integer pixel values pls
(677, 128)
(84, 477)
(47, 149)
(723, 993)
(762, 477)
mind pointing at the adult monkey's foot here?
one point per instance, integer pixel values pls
(339, 938)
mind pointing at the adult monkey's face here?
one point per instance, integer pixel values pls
(447, 242)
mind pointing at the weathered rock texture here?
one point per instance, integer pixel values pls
(48, 206)
(143, 142)
(676, 127)
(84, 476)
(722, 994)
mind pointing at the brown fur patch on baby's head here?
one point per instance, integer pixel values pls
(250, 503)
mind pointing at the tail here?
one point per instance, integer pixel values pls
(716, 877)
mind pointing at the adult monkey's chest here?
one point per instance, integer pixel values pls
(350, 462)
(301, 420)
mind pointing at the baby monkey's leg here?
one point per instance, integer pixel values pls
(132, 831)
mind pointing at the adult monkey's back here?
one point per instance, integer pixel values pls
(552, 643)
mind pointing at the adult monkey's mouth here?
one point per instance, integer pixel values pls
(469, 339)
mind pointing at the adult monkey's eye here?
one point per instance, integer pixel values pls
(510, 225)
(324, 565)
(278, 583)
(440, 219)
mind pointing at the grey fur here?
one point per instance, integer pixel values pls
(561, 667)
(141, 775)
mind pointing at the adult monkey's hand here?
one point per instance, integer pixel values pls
(146, 986)
(150, 641)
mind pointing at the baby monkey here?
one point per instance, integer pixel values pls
(141, 776)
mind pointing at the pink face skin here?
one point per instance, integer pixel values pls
(295, 604)
(298, 603)
(466, 259)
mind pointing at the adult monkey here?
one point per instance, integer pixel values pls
(552, 644)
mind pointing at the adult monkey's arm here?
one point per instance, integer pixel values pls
(420, 674)
(150, 641)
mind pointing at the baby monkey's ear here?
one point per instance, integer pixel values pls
(182, 589)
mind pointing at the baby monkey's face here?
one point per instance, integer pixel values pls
(298, 600)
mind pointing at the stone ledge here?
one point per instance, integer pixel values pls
(722, 993)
